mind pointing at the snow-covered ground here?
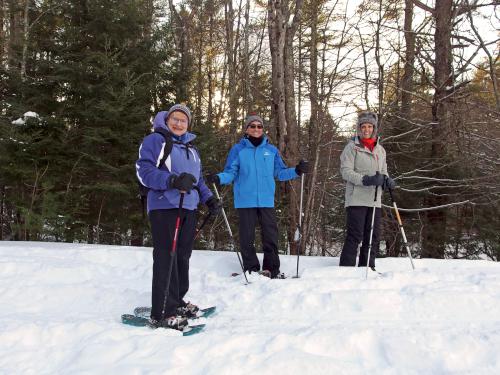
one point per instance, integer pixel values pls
(61, 306)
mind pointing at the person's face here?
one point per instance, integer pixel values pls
(366, 130)
(255, 129)
(178, 123)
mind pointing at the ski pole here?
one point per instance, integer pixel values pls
(298, 234)
(371, 233)
(172, 254)
(198, 230)
(400, 223)
(230, 233)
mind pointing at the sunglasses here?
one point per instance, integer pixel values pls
(255, 126)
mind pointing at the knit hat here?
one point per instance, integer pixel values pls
(251, 118)
(179, 108)
(370, 118)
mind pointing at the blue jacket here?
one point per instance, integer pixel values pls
(253, 170)
(181, 159)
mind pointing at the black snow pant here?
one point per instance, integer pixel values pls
(163, 229)
(359, 221)
(269, 228)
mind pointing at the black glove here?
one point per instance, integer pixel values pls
(375, 180)
(183, 182)
(213, 179)
(302, 167)
(214, 205)
(389, 183)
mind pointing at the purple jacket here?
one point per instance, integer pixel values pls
(181, 159)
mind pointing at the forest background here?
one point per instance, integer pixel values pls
(81, 80)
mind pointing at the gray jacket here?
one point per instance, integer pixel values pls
(355, 162)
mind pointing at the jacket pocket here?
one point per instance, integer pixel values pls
(268, 169)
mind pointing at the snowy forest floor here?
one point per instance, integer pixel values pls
(61, 306)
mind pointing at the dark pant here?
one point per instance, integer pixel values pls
(359, 221)
(269, 228)
(162, 229)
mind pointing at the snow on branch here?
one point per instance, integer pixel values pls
(430, 208)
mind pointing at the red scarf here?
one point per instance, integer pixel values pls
(369, 143)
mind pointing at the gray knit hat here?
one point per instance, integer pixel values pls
(251, 118)
(179, 108)
(370, 118)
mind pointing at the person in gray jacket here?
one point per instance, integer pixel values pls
(363, 166)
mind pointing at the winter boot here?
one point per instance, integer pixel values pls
(265, 273)
(173, 322)
(188, 311)
(279, 275)
(273, 275)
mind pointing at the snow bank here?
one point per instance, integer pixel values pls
(61, 307)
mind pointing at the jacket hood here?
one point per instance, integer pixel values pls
(159, 122)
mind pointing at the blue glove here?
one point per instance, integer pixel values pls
(376, 180)
(389, 183)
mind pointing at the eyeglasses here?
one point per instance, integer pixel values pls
(255, 126)
(181, 121)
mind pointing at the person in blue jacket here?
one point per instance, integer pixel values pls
(181, 172)
(252, 166)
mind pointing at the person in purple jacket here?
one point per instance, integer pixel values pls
(181, 172)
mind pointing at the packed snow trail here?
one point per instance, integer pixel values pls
(61, 306)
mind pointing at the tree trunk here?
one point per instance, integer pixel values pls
(14, 40)
(283, 113)
(435, 229)
(2, 33)
(380, 81)
(231, 66)
(277, 33)
(407, 80)
(2, 211)
(181, 37)
(209, 65)
(247, 92)
(199, 78)
(24, 56)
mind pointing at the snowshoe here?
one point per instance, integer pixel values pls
(176, 324)
(145, 312)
